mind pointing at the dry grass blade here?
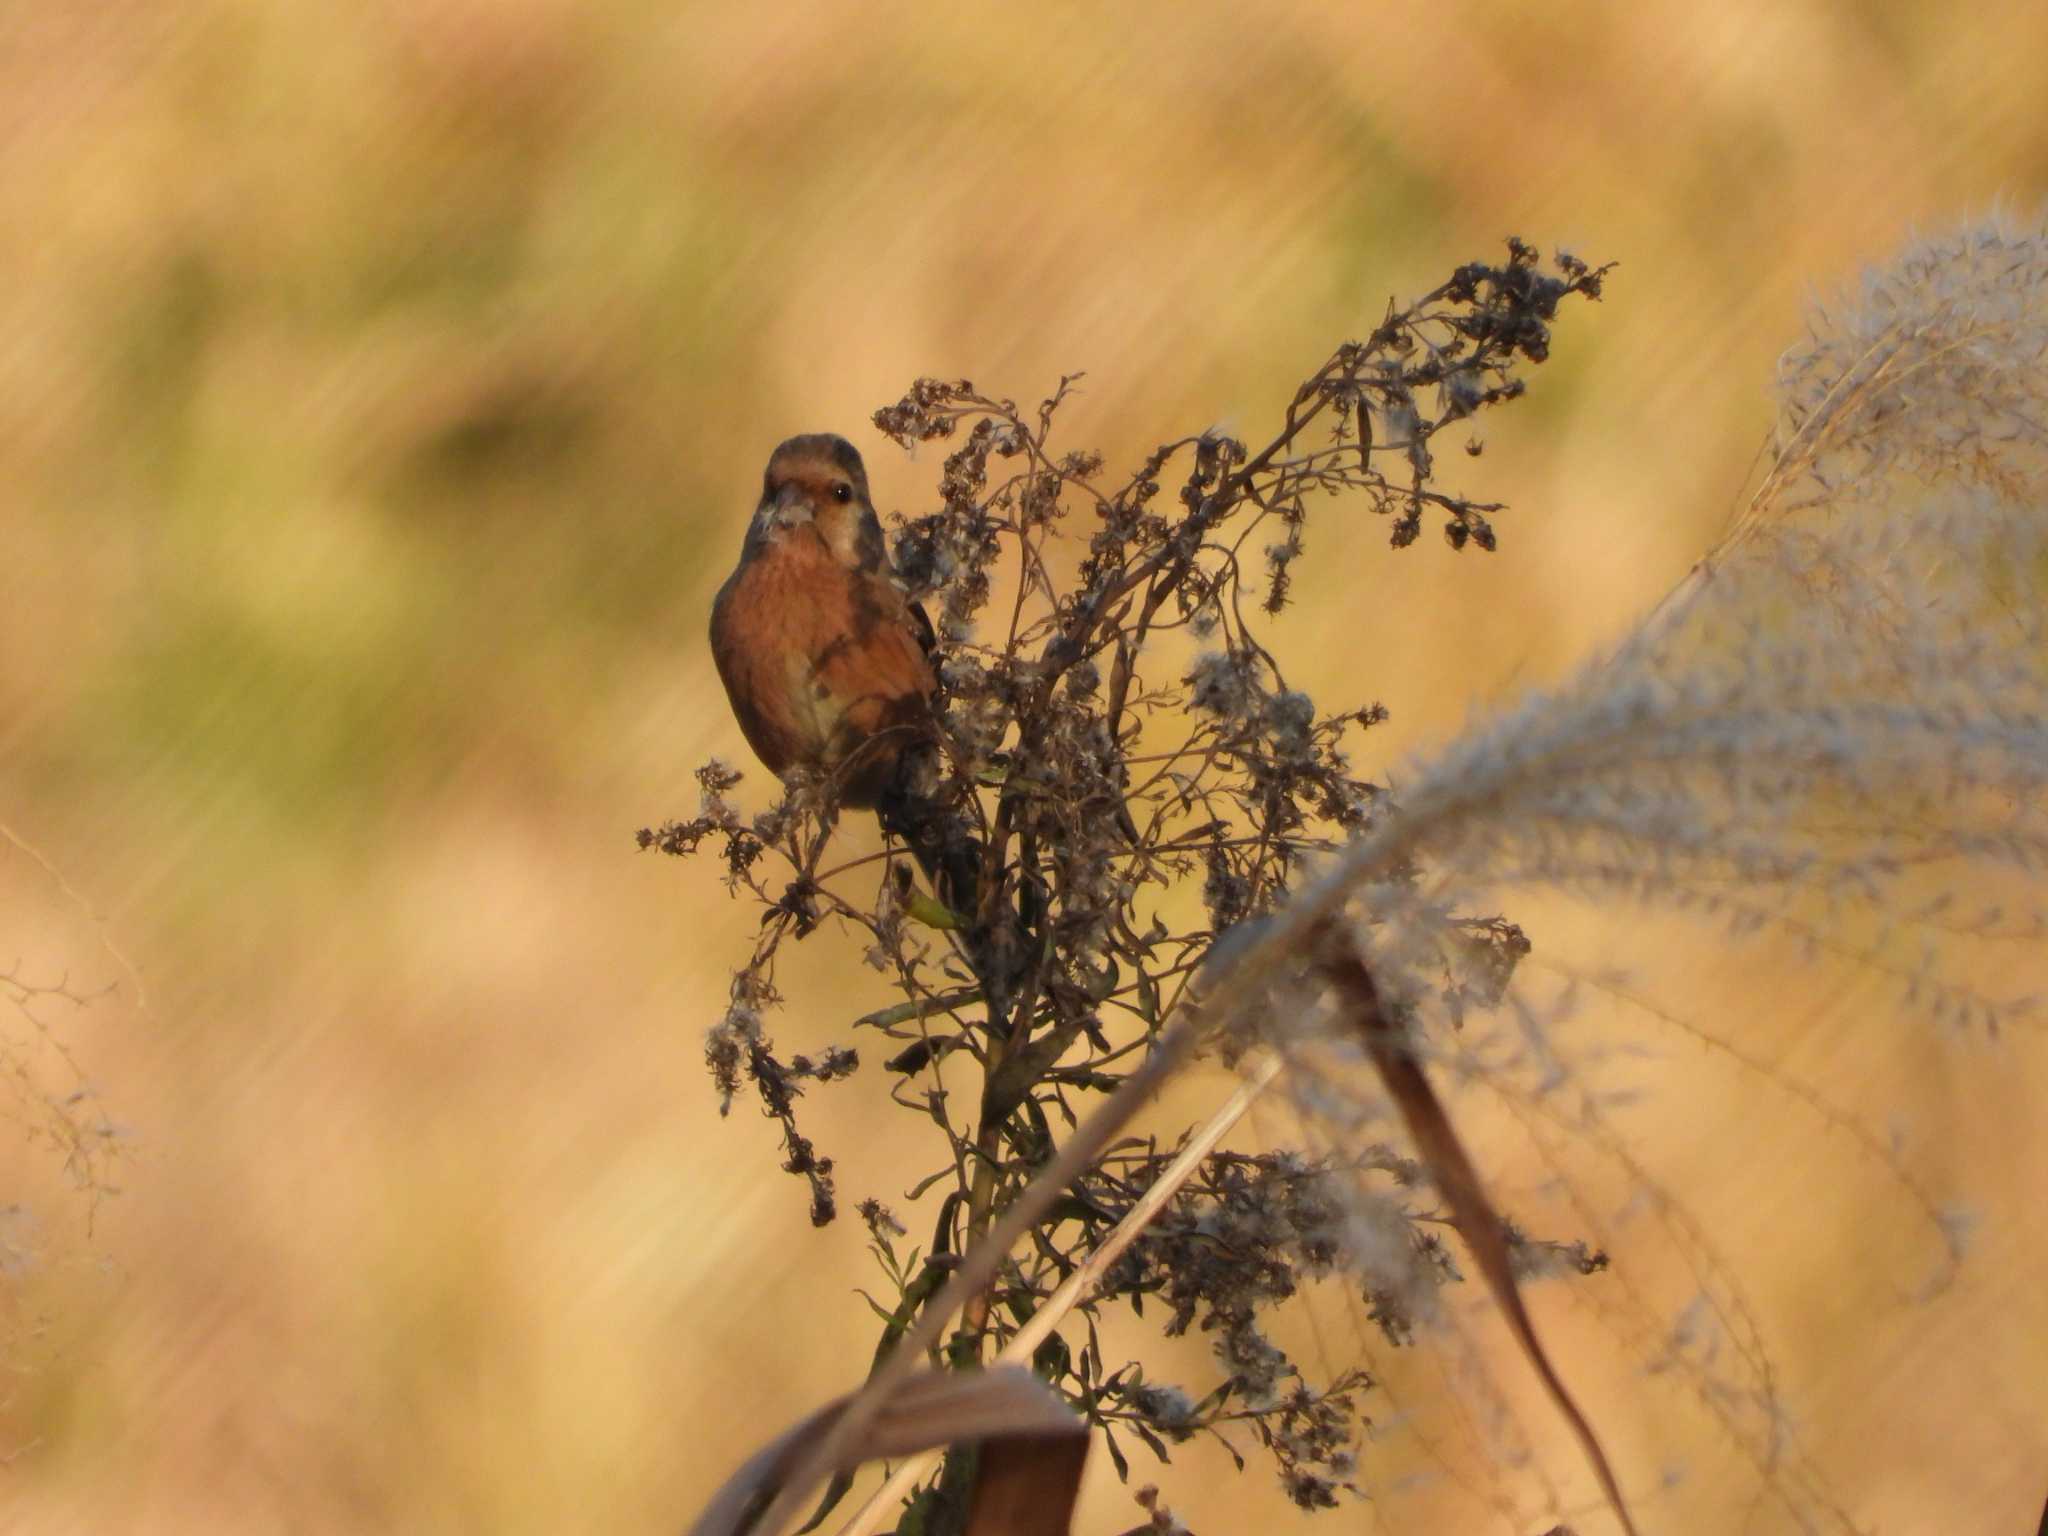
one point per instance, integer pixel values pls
(1027, 1485)
(1451, 1169)
(1003, 1404)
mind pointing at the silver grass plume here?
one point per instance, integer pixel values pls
(1835, 731)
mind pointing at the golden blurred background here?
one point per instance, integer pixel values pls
(383, 389)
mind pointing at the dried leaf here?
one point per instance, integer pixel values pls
(1472, 1212)
(1007, 1408)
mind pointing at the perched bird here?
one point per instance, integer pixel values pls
(827, 661)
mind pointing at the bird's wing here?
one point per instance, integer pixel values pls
(921, 626)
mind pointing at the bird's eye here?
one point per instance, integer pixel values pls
(842, 492)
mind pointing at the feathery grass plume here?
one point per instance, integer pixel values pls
(1834, 766)
(1930, 374)
(1837, 735)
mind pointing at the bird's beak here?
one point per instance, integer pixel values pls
(791, 507)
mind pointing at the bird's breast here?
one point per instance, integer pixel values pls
(816, 658)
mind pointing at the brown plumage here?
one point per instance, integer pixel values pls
(827, 661)
(822, 653)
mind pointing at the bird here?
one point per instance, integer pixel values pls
(828, 663)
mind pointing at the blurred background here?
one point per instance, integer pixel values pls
(383, 390)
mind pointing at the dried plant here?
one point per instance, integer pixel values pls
(1832, 733)
(1120, 741)
(47, 1090)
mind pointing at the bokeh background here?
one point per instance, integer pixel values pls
(383, 388)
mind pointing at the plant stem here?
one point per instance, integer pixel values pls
(1079, 1285)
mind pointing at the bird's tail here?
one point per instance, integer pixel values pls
(938, 838)
(993, 934)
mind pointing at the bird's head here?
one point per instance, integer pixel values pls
(816, 486)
